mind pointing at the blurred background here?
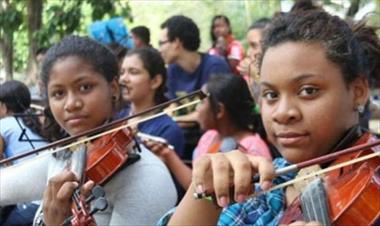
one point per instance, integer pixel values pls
(27, 26)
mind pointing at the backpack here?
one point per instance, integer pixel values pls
(111, 31)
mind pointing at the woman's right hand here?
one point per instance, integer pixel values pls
(57, 197)
(221, 172)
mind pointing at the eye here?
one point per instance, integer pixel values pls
(308, 91)
(85, 87)
(57, 94)
(269, 95)
(134, 71)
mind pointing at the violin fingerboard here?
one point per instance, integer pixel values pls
(314, 204)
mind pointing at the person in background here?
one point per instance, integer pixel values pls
(142, 80)
(248, 67)
(20, 131)
(224, 44)
(141, 36)
(228, 119)
(188, 69)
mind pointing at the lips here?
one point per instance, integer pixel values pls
(75, 120)
(125, 89)
(291, 138)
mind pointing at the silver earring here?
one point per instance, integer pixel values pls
(360, 108)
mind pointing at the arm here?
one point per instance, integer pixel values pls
(179, 169)
(212, 173)
(30, 174)
(183, 120)
(195, 212)
(1, 147)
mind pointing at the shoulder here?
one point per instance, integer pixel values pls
(214, 63)
(159, 125)
(256, 145)
(7, 125)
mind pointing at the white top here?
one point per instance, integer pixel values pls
(137, 195)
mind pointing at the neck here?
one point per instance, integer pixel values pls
(189, 61)
(228, 129)
(137, 107)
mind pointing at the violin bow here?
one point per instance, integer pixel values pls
(111, 127)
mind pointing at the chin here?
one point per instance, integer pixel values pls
(293, 155)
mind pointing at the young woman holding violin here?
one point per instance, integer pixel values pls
(228, 119)
(310, 108)
(142, 80)
(81, 80)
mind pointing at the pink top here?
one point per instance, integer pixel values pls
(254, 145)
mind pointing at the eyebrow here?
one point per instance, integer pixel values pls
(75, 81)
(297, 79)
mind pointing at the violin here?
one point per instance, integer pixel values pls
(352, 194)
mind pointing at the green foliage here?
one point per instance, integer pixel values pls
(60, 18)
(11, 19)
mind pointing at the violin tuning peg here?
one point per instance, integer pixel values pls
(100, 204)
(98, 191)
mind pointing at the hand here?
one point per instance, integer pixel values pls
(57, 197)
(217, 172)
(160, 149)
(302, 223)
(244, 66)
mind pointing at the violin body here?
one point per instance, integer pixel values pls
(107, 154)
(353, 193)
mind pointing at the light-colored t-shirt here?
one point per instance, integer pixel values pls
(15, 134)
(139, 194)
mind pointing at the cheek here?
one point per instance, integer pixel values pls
(57, 111)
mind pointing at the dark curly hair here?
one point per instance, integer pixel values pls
(155, 65)
(95, 54)
(233, 92)
(342, 45)
(185, 30)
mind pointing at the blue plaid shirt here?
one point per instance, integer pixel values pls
(265, 209)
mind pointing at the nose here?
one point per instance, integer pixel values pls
(124, 78)
(286, 112)
(73, 103)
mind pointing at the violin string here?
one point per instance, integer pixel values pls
(314, 174)
(87, 139)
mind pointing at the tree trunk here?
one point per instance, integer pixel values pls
(34, 24)
(354, 8)
(6, 46)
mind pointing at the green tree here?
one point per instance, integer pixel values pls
(11, 19)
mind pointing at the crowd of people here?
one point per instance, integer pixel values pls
(300, 91)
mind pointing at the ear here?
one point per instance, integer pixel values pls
(115, 89)
(360, 90)
(156, 82)
(177, 43)
(221, 111)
